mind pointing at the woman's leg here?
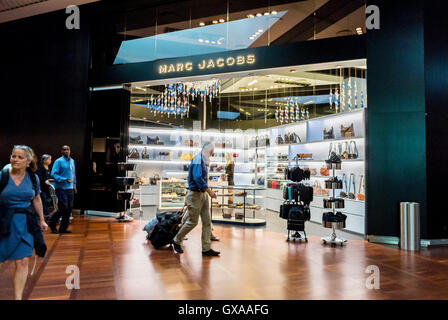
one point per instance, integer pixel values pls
(20, 277)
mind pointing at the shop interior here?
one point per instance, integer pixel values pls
(260, 122)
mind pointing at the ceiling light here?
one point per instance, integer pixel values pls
(260, 30)
(221, 20)
(266, 13)
(252, 82)
(273, 12)
(292, 70)
(201, 40)
(202, 24)
(251, 37)
(215, 21)
(259, 14)
(250, 89)
(213, 42)
(207, 41)
(255, 89)
(250, 15)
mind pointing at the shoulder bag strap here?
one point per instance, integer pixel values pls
(4, 174)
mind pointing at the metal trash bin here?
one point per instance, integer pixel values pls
(410, 226)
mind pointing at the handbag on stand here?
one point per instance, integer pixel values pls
(145, 154)
(345, 151)
(324, 171)
(343, 193)
(347, 132)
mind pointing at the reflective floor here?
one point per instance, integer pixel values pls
(116, 262)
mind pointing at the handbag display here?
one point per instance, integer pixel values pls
(361, 196)
(313, 171)
(328, 134)
(353, 150)
(333, 182)
(305, 156)
(351, 195)
(253, 142)
(134, 154)
(145, 154)
(345, 151)
(338, 203)
(347, 132)
(284, 209)
(124, 181)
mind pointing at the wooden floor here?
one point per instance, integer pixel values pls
(116, 262)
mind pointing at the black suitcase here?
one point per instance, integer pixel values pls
(167, 228)
(296, 218)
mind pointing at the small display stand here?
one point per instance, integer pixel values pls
(248, 221)
(333, 239)
(127, 194)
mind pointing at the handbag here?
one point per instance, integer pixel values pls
(343, 193)
(345, 151)
(317, 189)
(353, 150)
(361, 196)
(294, 138)
(313, 171)
(133, 154)
(351, 195)
(328, 134)
(324, 171)
(284, 209)
(287, 140)
(145, 154)
(347, 132)
(279, 140)
(135, 140)
(150, 140)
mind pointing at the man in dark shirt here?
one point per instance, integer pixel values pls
(197, 202)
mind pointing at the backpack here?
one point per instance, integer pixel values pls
(4, 174)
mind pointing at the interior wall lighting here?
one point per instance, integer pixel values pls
(250, 16)
(215, 21)
(207, 41)
(221, 20)
(273, 12)
(259, 14)
(260, 30)
(202, 24)
(266, 13)
(201, 40)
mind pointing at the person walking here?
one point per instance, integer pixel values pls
(20, 194)
(43, 172)
(64, 174)
(197, 201)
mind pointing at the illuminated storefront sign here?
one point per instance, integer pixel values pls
(207, 64)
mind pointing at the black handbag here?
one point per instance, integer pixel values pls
(353, 150)
(125, 181)
(294, 138)
(145, 154)
(150, 140)
(134, 154)
(135, 140)
(125, 195)
(284, 209)
(328, 134)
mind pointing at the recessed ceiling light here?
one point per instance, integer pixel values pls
(213, 42)
(260, 30)
(221, 20)
(215, 21)
(207, 41)
(255, 89)
(266, 13)
(273, 12)
(202, 24)
(201, 40)
(250, 16)
(252, 82)
(259, 14)
(252, 38)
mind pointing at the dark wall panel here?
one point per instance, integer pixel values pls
(44, 86)
(436, 80)
(396, 146)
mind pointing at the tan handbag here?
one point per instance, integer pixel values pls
(347, 132)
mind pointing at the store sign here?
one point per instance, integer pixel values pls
(207, 64)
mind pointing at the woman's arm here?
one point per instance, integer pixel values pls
(37, 205)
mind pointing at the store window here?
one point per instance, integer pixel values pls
(260, 123)
(207, 26)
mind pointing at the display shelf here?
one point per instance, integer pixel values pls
(343, 160)
(146, 161)
(345, 199)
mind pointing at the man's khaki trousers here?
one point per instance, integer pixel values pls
(197, 205)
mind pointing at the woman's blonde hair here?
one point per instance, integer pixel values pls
(30, 156)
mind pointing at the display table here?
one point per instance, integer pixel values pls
(243, 207)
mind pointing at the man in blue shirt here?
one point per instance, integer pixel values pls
(197, 202)
(64, 175)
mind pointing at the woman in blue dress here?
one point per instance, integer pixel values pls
(19, 194)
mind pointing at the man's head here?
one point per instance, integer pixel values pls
(207, 149)
(65, 150)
